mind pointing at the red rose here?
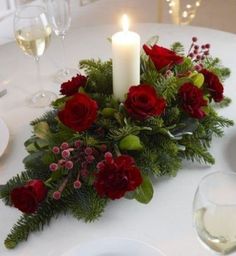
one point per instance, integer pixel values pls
(79, 112)
(72, 86)
(192, 100)
(213, 85)
(117, 176)
(143, 102)
(28, 197)
(38, 188)
(162, 57)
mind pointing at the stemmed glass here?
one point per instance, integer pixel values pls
(33, 34)
(60, 18)
(214, 212)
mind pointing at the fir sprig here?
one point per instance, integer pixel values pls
(158, 144)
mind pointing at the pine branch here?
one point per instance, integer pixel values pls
(178, 48)
(99, 74)
(87, 204)
(34, 222)
(224, 103)
(195, 151)
(49, 117)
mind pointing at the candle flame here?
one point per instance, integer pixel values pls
(125, 22)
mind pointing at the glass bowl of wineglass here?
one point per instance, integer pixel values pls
(33, 35)
(59, 12)
(214, 212)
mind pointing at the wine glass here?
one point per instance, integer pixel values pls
(60, 18)
(214, 212)
(33, 34)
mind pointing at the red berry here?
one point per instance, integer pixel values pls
(56, 195)
(56, 150)
(198, 57)
(53, 167)
(206, 53)
(65, 154)
(69, 165)
(64, 145)
(100, 165)
(194, 39)
(196, 47)
(191, 55)
(195, 52)
(203, 46)
(77, 184)
(208, 46)
(88, 151)
(61, 162)
(78, 143)
(90, 159)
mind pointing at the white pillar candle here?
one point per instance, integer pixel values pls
(125, 60)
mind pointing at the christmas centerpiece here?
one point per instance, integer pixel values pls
(94, 146)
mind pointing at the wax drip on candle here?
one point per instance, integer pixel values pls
(125, 23)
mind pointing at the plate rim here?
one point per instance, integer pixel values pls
(6, 129)
(86, 243)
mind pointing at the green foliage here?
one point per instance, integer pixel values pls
(100, 76)
(87, 204)
(224, 103)
(215, 66)
(178, 48)
(35, 222)
(158, 144)
(130, 142)
(144, 192)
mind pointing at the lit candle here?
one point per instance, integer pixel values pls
(125, 60)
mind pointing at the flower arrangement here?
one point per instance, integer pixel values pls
(91, 148)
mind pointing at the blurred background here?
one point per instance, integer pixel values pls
(216, 14)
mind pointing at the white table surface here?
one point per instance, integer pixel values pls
(166, 222)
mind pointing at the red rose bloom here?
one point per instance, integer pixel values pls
(28, 197)
(143, 102)
(192, 100)
(213, 85)
(162, 57)
(117, 176)
(79, 112)
(38, 188)
(72, 86)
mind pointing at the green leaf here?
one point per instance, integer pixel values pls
(130, 142)
(198, 80)
(59, 103)
(108, 112)
(144, 192)
(42, 130)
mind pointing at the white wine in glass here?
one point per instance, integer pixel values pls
(59, 12)
(214, 212)
(33, 34)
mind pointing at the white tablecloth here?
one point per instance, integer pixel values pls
(167, 221)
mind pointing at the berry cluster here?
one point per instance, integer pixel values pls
(198, 53)
(75, 158)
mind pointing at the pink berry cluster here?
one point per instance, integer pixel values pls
(198, 53)
(77, 158)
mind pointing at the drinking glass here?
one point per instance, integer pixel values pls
(214, 212)
(33, 34)
(59, 12)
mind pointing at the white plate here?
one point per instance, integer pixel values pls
(4, 136)
(114, 247)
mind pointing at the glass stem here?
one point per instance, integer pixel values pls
(38, 76)
(64, 53)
